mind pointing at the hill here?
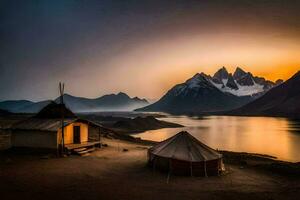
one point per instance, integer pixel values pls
(140, 124)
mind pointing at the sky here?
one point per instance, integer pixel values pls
(142, 48)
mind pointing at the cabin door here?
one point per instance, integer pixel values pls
(76, 134)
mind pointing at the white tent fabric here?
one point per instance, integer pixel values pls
(185, 147)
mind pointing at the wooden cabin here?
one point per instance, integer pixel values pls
(44, 131)
(47, 134)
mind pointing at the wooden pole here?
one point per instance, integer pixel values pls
(61, 90)
(99, 137)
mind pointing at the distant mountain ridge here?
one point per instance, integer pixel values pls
(14, 105)
(111, 102)
(204, 93)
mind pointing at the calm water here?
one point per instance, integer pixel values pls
(278, 137)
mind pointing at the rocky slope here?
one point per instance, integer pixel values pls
(283, 100)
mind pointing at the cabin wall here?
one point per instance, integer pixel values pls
(34, 139)
(68, 133)
(94, 133)
(5, 139)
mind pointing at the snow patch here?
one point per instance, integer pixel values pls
(242, 91)
(224, 81)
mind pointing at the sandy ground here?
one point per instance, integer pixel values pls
(110, 173)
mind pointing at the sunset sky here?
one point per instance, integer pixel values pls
(140, 47)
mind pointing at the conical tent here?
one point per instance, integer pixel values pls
(184, 154)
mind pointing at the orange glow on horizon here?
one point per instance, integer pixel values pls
(163, 63)
(152, 67)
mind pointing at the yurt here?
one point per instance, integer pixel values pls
(183, 154)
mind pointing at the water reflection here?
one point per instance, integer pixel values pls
(294, 126)
(278, 137)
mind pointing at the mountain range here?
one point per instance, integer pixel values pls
(241, 83)
(240, 93)
(283, 100)
(221, 92)
(111, 102)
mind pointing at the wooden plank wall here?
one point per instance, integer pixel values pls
(5, 139)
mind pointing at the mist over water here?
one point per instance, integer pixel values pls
(112, 109)
(279, 137)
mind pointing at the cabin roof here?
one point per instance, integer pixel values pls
(54, 111)
(52, 125)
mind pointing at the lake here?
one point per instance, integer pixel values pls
(279, 137)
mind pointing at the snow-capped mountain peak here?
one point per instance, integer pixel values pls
(241, 83)
(204, 94)
(239, 73)
(197, 80)
(221, 74)
(231, 83)
(197, 94)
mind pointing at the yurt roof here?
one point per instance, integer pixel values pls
(54, 111)
(183, 146)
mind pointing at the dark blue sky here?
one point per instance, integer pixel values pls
(100, 47)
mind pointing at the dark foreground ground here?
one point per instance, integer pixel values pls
(110, 173)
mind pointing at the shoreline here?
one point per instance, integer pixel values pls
(223, 151)
(256, 160)
(131, 135)
(221, 113)
(112, 173)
